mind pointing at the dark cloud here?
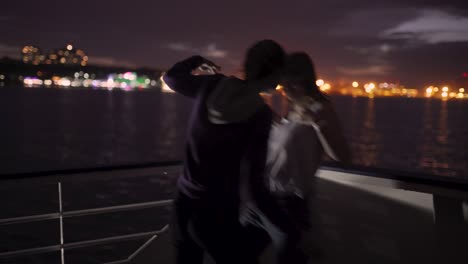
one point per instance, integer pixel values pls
(210, 51)
(431, 27)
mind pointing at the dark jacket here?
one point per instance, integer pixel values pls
(230, 124)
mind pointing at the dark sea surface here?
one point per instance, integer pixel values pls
(50, 129)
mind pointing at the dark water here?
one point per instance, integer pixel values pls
(49, 129)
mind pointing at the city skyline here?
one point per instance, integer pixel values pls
(420, 43)
(69, 54)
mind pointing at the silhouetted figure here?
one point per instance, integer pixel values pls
(296, 147)
(229, 124)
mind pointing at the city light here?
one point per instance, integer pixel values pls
(66, 55)
(71, 55)
(383, 85)
(369, 87)
(64, 82)
(75, 84)
(2, 77)
(325, 87)
(32, 81)
(87, 83)
(129, 76)
(164, 87)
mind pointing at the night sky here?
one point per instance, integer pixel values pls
(415, 42)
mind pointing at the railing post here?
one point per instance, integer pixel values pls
(62, 249)
(450, 230)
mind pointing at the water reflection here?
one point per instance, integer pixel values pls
(106, 152)
(51, 129)
(426, 159)
(366, 149)
(167, 135)
(443, 132)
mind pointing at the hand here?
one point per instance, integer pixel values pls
(209, 66)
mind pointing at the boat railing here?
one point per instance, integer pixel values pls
(116, 212)
(53, 208)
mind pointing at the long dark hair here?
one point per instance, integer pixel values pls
(299, 73)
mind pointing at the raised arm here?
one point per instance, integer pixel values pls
(180, 79)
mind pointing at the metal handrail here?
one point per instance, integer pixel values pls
(39, 174)
(61, 214)
(117, 208)
(86, 243)
(456, 183)
(402, 176)
(31, 218)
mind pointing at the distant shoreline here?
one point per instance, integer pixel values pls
(12, 69)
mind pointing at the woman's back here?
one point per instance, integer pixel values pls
(296, 146)
(294, 155)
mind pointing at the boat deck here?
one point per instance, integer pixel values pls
(121, 215)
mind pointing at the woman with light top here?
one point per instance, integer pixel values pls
(296, 147)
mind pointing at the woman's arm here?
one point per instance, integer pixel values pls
(331, 136)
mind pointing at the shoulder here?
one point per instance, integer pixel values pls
(263, 112)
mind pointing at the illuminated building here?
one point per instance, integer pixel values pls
(31, 55)
(69, 55)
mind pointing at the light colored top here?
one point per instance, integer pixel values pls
(296, 147)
